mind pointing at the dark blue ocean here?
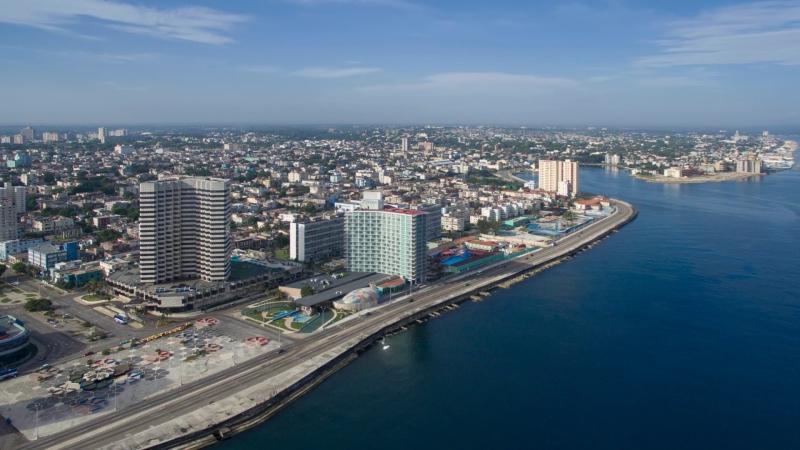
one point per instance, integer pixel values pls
(682, 331)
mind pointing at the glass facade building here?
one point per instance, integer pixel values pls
(390, 241)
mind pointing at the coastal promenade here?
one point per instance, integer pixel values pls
(246, 394)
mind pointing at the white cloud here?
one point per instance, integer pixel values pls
(334, 72)
(479, 81)
(195, 24)
(397, 4)
(757, 33)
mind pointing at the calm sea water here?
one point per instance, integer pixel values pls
(682, 331)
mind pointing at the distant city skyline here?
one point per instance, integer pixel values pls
(616, 64)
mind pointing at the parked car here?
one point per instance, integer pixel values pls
(7, 374)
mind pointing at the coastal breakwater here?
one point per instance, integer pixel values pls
(244, 396)
(262, 413)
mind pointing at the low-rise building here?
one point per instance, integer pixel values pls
(75, 274)
(16, 246)
(45, 256)
(453, 223)
(316, 240)
(52, 224)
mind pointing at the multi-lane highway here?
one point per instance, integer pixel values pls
(114, 428)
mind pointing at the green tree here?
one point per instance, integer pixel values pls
(92, 286)
(306, 290)
(32, 270)
(108, 235)
(38, 304)
(487, 226)
(281, 241)
(18, 267)
(133, 214)
(64, 284)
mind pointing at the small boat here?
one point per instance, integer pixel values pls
(384, 345)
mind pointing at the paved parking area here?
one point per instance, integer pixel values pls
(48, 401)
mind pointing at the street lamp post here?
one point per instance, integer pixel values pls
(36, 423)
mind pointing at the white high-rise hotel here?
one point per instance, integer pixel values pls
(560, 177)
(183, 230)
(390, 241)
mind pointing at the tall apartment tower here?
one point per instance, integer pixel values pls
(183, 230)
(101, 135)
(390, 241)
(569, 173)
(12, 204)
(404, 145)
(554, 173)
(548, 175)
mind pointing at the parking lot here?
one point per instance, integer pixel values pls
(58, 397)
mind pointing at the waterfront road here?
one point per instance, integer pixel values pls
(112, 428)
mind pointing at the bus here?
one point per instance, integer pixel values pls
(121, 318)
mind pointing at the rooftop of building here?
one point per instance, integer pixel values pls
(339, 291)
(591, 201)
(240, 270)
(392, 283)
(410, 212)
(321, 282)
(45, 247)
(91, 266)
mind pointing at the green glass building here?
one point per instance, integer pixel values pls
(390, 241)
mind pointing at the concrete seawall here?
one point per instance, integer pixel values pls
(261, 413)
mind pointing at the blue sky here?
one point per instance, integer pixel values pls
(607, 63)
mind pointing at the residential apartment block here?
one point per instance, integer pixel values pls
(184, 230)
(558, 176)
(316, 240)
